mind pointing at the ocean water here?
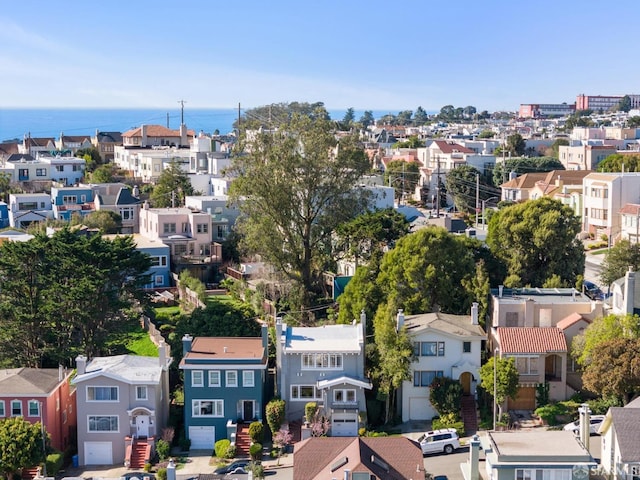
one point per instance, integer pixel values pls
(16, 123)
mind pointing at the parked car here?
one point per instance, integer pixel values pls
(436, 441)
(232, 467)
(593, 291)
(595, 420)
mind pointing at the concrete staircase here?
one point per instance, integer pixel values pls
(469, 414)
(243, 441)
(140, 453)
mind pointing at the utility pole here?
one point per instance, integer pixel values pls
(477, 197)
(182, 102)
(438, 187)
(167, 119)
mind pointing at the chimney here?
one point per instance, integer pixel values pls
(264, 333)
(186, 343)
(143, 134)
(136, 191)
(629, 290)
(60, 373)
(399, 320)
(363, 322)
(81, 364)
(474, 458)
(162, 354)
(500, 289)
(225, 349)
(474, 313)
(585, 424)
(183, 135)
(347, 474)
(145, 205)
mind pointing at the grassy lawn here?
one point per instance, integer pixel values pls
(167, 310)
(139, 343)
(219, 298)
(598, 252)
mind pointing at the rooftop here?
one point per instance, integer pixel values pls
(328, 338)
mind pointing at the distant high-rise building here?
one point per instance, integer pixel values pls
(603, 102)
(537, 110)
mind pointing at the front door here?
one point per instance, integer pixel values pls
(247, 410)
(465, 380)
(142, 425)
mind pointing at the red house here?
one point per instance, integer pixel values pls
(41, 394)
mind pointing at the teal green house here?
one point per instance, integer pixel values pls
(224, 383)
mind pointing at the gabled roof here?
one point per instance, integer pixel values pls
(451, 147)
(156, 131)
(630, 209)
(389, 458)
(458, 325)
(109, 137)
(570, 320)
(626, 422)
(18, 157)
(30, 381)
(132, 369)
(38, 142)
(226, 350)
(515, 340)
(8, 148)
(345, 380)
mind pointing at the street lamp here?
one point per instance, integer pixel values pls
(483, 208)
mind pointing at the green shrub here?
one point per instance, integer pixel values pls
(310, 410)
(161, 474)
(362, 431)
(275, 414)
(600, 406)
(231, 452)
(255, 451)
(221, 447)
(147, 467)
(54, 463)
(256, 432)
(257, 469)
(163, 448)
(449, 420)
(445, 395)
(549, 413)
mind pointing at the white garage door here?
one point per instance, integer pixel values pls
(420, 408)
(344, 425)
(202, 438)
(98, 453)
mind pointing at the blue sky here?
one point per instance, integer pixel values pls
(376, 55)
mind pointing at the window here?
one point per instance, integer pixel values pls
(527, 365)
(16, 408)
(197, 380)
(432, 349)
(214, 378)
(544, 474)
(185, 227)
(207, 408)
(305, 392)
(2, 411)
(511, 319)
(313, 361)
(231, 378)
(105, 423)
(248, 379)
(424, 378)
(159, 280)
(159, 261)
(102, 394)
(599, 213)
(169, 227)
(347, 395)
(34, 408)
(202, 228)
(466, 347)
(69, 199)
(141, 392)
(180, 249)
(41, 172)
(27, 205)
(126, 213)
(23, 173)
(59, 168)
(222, 231)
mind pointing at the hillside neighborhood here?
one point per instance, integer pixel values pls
(333, 298)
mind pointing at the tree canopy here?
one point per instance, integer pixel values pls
(297, 186)
(276, 115)
(20, 445)
(619, 162)
(172, 186)
(586, 347)
(536, 240)
(403, 177)
(66, 294)
(105, 220)
(461, 185)
(617, 261)
(507, 379)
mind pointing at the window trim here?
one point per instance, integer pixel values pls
(117, 390)
(248, 378)
(142, 388)
(228, 383)
(193, 378)
(212, 383)
(216, 404)
(297, 398)
(37, 405)
(18, 402)
(96, 417)
(3, 411)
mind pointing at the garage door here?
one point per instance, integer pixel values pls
(525, 399)
(202, 438)
(98, 453)
(344, 425)
(420, 408)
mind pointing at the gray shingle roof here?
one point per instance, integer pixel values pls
(626, 422)
(28, 381)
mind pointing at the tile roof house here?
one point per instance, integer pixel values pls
(41, 395)
(530, 186)
(540, 355)
(224, 384)
(123, 405)
(444, 346)
(620, 433)
(360, 458)
(323, 365)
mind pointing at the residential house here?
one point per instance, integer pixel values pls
(625, 294)
(41, 395)
(70, 144)
(188, 234)
(620, 444)
(28, 208)
(160, 272)
(584, 156)
(604, 196)
(323, 365)
(444, 346)
(106, 142)
(123, 405)
(531, 186)
(120, 199)
(69, 201)
(7, 149)
(66, 170)
(4, 215)
(32, 145)
(630, 222)
(572, 326)
(361, 458)
(535, 454)
(32, 174)
(10, 235)
(223, 214)
(224, 383)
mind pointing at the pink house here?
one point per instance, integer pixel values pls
(41, 395)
